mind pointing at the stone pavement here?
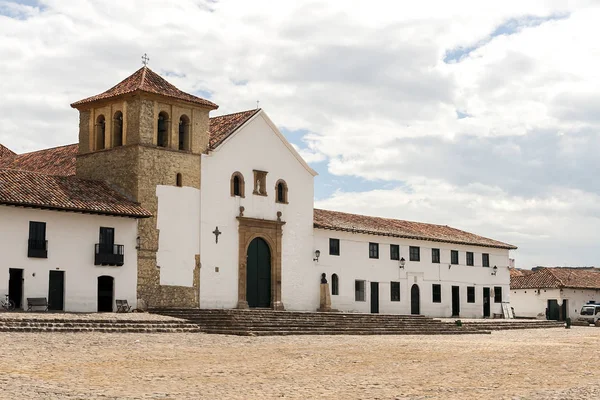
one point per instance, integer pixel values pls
(523, 364)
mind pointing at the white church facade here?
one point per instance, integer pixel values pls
(164, 206)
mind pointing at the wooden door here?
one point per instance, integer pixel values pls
(415, 307)
(455, 301)
(374, 297)
(486, 301)
(106, 293)
(56, 291)
(258, 274)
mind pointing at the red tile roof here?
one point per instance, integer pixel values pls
(54, 161)
(6, 152)
(223, 126)
(146, 80)
(338, 221)
(67, 193)
(558, 278)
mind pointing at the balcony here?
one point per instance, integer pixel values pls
(37, 248)
(109, 254)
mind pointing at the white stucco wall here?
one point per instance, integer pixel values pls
(179, 234)
(354, 263)
(71, 240)
(256, 146)
(533, 302)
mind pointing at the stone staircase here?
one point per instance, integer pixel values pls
(500, 325)
(272, 323)
(95, 325)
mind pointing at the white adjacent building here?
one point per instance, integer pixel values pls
(216, 213)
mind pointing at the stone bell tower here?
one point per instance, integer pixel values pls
(142, 133)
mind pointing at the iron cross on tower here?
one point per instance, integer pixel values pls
(217, 232)
(145, 59)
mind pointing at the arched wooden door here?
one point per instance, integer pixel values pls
(106, 293)
(415, 307)
(258, 274)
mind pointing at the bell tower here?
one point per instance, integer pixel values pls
(138, 135)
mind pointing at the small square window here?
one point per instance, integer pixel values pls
(359, 290)
(435, 256)
(373, 250)
(497, 294)
(485, 259)
(470, 294)
(394, 252)
(415, 253)
(454, 257)
(437, 293)
(334, 247)
(470, 259)
(395, 291)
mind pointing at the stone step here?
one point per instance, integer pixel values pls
(104, 330)
(94, 325)
(284, 332)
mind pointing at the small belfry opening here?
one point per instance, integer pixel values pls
(118, 129)
(184, 133)
(237, 184)
(162, 139)
(281, 192)
(100, 132)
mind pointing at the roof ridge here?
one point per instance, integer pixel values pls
(394, 219)
(49, 148)
(143, 80)
(236, 113)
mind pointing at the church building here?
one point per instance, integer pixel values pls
(163, 206)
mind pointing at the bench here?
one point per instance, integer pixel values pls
(122, 306)
(37, 302)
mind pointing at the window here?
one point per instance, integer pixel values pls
(373, 250)
(334, 247)
(394, 252)
(162, 138)
(437, 293)
(107, 239)
(470, 294)
(100, 132)
(118, 129)
(435, 256)
(281, 192)
(359, 290)
(485, 259)
(395, 291)
(335, 285)
(260, 183)
(454, 257)
(179, 180)
(184, 133)
(37, 244)
(415, 253)
(237, 186)
(497, 294)
(470, 259)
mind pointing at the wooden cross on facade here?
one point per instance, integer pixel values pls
(145, 59)
(216, 232)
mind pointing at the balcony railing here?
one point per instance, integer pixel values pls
(109, 254)
(37, 248)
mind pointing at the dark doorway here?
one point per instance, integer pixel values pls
(258, 274)
(455, 301)
(15, 286)
(414, 300)
(374, 297)
(563, 310)
(553, 310)
(106, 286)
(56, 291)
(486, 302)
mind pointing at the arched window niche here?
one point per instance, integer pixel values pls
(100, 132)
(335, 285)
(162, 138)
(281, 192)
(118, 129)
(237, 184)
(184, 133)
(179, 180)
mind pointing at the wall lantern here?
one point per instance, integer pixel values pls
(317, 255)
(402, 262)
(495, 270)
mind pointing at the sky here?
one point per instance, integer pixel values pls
(484, 116)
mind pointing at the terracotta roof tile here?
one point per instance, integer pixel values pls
(6, 152)
(334, 220)
(54, 161)
(146, 80)
(555, 278)
(223, 126)
(68, 193)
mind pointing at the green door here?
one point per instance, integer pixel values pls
(258, 274)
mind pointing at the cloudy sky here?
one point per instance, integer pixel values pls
(479, 115)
